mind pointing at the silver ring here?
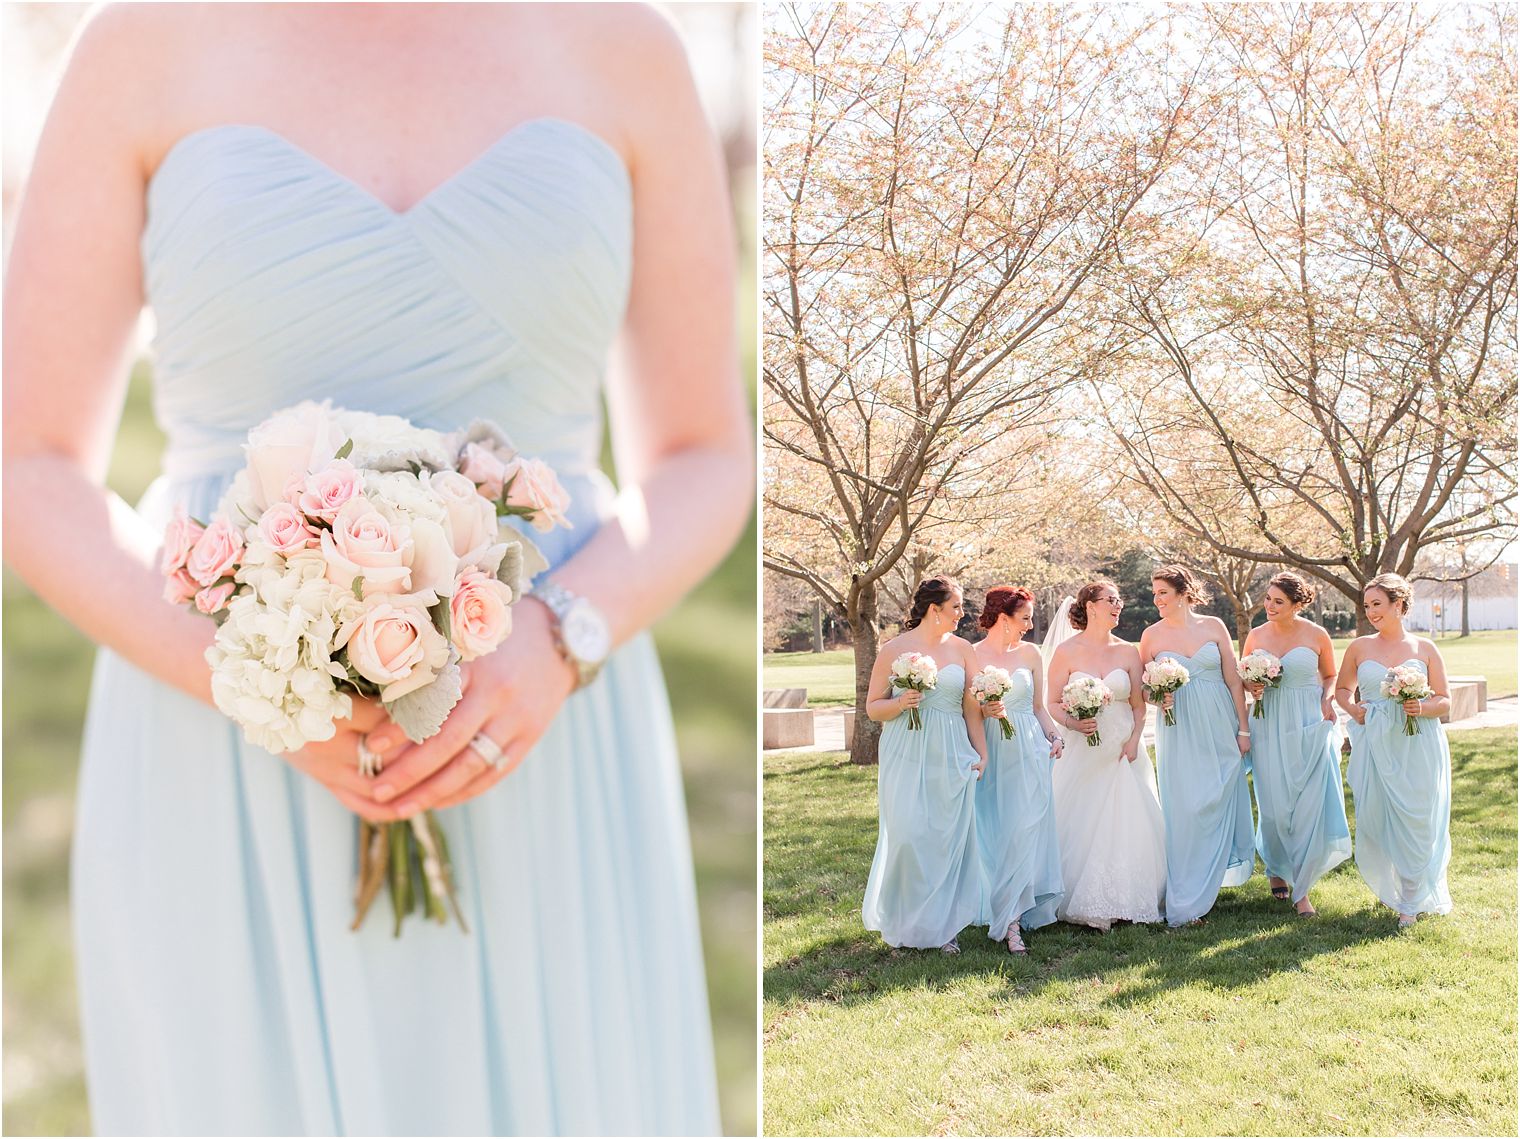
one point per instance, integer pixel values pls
(369, 760)
(489, 750)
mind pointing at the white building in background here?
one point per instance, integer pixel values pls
(1493, 602)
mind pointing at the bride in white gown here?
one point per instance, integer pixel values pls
(1108, 816)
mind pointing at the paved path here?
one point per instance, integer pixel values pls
(828, 724)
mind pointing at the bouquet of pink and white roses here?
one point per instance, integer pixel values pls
(993, 683)
(1083, 698)
(1163, 675)
(359, 555)
(918, 672)
(1260, 667)
(1407, 683)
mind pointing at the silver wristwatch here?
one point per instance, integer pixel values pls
(580, 630)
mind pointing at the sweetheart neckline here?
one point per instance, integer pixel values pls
(1105, 676)
(400, 215)
(1191, 655)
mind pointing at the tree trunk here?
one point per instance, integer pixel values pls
(1466, 625)
(1242, 622)
(817, 626)
(865, 631)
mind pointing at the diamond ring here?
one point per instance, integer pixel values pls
(369, 760)
(489, 750)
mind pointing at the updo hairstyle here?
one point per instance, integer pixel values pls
(1399, 591)
(1293, 587)
(1093, 590)
(1002, 599)
(1188, 584)
(930, 591)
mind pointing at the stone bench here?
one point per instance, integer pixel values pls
(849, 728)
(787, 727)
(785, 698)
(1469, 696)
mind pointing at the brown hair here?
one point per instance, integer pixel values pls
(1089, 592)
(1293, 587)
(1399, 591)
(1184, 581)
(1002, 599)
(930, 591)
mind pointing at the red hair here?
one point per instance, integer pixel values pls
(1003, 599)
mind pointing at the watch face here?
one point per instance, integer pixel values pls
(585, 634)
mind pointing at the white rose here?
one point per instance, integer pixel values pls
(292, 442)
(472, 517)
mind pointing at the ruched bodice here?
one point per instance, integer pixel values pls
(1300, 668)
(1020, 697)
(1203, 666)
(273, 279)
(1370, 676)
(948, 691)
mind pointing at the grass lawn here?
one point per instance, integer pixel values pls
(707, 649)
(1256, 1022)
(830, 677)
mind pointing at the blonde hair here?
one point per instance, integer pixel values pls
(1399, 591)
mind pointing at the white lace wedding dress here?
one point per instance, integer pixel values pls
(1108, 822)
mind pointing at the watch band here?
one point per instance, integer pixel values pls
(559, 601)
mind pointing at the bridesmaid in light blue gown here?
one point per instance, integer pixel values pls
(1015, 812)
(925, 882)
(1400, 783)
(221, 989)
(1301, 831)
(1200, 767)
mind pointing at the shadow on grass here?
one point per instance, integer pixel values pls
(1244, 941)
(819, 846)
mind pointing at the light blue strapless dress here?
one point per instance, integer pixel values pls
(1401, 787)
(221, 989)
(1301, 830)
(1016, 820)
(1204, 798)
(925, 881)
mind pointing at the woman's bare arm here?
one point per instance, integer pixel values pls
(73, 294)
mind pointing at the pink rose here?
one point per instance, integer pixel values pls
(180, 587)
(285, 529)
(396, 647)
(216, 552)
(325, 491)
(472, 517)
(485, 469)
(179, 539)
(213, 598)
(296, 441)
(480, 614)
(362, 542)
(536, 487)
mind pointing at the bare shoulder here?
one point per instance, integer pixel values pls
(1216, 627)
(121, 76)
(1129, 652)
(634, 48)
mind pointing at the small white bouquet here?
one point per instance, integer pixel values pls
(1083, 698)
(1163, 675)
(1260, 667)
(359, 555)
(991, 684)
(1406, 683)
(918, 672)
